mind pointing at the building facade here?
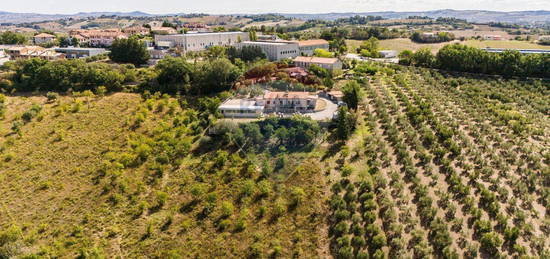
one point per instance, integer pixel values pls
(274, 50)
(73, 52)
(199, 41)
(43, 38)
(308, 47)
(98, 38)
(28, 52)
(290, 102)
(326, 63)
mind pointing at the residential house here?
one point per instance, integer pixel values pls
(98, 38)
(43, 38)
(28, 52)
(290, 102)
(136, 30)
(164, 30)
(326, 63)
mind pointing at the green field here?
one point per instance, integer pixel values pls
(407, 44)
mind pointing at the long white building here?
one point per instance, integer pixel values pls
(200, 41)
(274, 50)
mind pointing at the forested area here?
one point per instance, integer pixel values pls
(461, 58)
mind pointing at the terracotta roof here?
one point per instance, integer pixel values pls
(316, 60)
(304, 43)
(288, 95)
(44, 35)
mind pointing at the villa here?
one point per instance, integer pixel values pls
(270, 102)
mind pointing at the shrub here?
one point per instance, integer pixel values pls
(490, 242)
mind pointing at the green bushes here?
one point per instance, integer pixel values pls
(37, 74)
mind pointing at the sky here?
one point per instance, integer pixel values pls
(263, 6)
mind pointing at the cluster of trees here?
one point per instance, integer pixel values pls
(77, 75)
(9, 37)
(129, 51)
(461, 58)
(432, 38)
(278, 133)
(246, 53)
(173, 75)
(370, 48)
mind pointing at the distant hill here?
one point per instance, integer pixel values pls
(7, 17)
(470, 15)
(523, 17)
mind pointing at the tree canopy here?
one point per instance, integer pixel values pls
(129, 51)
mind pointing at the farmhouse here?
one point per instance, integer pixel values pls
(327, 63)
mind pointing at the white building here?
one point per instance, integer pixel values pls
(274, 50)
(200, 41)
(308, 47)
(242, 108)
(326, 63)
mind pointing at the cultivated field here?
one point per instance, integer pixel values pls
(407, 44)
(455, 167)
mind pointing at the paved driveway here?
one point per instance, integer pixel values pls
(325, 114)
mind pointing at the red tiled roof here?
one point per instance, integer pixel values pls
(316, 60)
(304, 43)
(287, 95)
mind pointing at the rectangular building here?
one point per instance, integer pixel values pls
(290, 102)
(308, 47)
(242, 108)
(326, 63)
(199, 41)
(72, 53)
(274, 50)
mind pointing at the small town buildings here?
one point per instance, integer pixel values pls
(27, 52)
(164, 30)
(274, 50)
(326, 63)
(73, 52)
(98, 38)
(242, 108)
(200, 41)
(308, 47)
(290, 102)
(43, 38)
(196, 26)
(136, 30)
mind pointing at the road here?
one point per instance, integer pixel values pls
(325, 114)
